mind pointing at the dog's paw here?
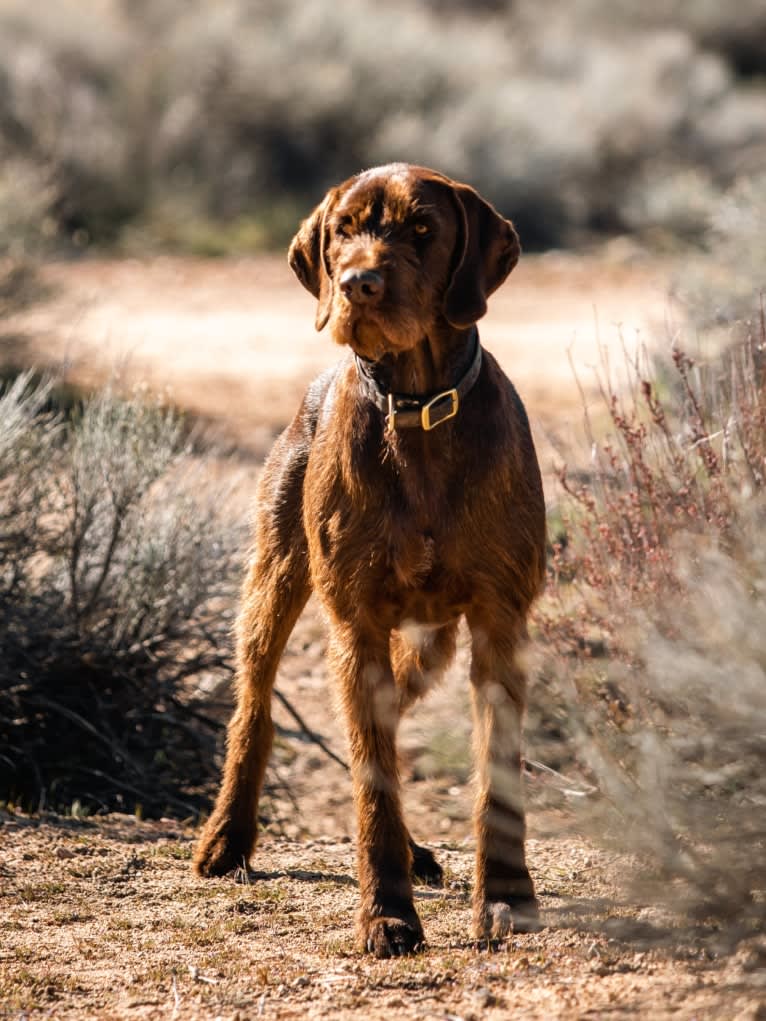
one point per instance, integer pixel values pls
(391, 937)
(217, 855)
(426, 870)
(526, 916)
(497, 919)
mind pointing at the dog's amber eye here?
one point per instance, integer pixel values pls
(345, 229)
(421, 229)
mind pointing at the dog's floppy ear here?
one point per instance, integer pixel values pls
(307, 258)
(487, 249)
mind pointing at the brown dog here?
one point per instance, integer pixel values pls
(406, 493)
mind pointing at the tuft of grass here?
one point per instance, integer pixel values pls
(31, 893)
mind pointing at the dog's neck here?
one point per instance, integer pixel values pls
(435, 363)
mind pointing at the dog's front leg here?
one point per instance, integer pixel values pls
(387, 924)
(504, 895)
(274, 594)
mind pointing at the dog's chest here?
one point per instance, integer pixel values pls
(412, 557)
(386, 530)
(391, 558)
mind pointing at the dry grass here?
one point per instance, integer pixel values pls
(104, 920)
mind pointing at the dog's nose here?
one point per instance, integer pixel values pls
(361, 285)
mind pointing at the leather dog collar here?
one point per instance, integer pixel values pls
(407, 411)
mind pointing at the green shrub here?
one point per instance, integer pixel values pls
(231, 112)
(116, 570)
(729, 283)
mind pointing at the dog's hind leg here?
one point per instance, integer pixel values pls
(419, 657)
(276, 589)
(504, 895)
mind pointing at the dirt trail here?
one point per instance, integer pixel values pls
(234, 341)
(102, 919)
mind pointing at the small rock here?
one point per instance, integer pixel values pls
(753, 1012)
(485, 997)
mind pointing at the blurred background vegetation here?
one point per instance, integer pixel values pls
(211, 127)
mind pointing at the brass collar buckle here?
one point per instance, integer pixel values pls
(439, 409)
(419, 411)
(391, 416)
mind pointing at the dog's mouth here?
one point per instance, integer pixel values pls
(370, 335)
(368, 339)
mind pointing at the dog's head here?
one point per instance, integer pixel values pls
(397, 251)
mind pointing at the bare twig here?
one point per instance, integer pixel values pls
(311, 734)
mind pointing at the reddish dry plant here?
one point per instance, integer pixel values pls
(681, 456)
(662, 576)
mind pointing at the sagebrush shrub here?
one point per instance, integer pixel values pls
(730, 283)
(564, 117)
(116, 575)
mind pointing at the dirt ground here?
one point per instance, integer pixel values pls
(103, 919)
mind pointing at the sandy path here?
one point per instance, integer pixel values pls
(234, 341)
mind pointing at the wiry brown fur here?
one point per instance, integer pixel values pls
(401, 533)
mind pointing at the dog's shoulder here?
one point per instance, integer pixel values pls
(318, 399)
(499, 405)
(285, 467)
